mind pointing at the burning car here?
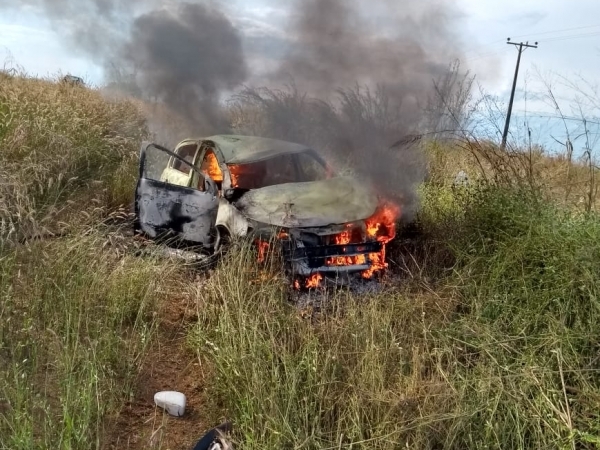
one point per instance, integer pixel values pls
(208, 190)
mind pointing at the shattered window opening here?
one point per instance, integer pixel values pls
(187, 152)
(311, 168)
(281, 169)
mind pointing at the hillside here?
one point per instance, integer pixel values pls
(484, 334)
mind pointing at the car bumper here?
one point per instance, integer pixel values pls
(307, 260)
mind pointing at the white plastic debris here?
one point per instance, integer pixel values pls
(171, 401)
(462, 179)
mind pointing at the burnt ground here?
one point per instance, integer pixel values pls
(169, 365)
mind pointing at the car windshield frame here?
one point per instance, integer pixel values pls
(260, 168)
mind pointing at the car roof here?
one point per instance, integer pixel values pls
(238, 149)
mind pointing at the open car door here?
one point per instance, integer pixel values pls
(184, 215)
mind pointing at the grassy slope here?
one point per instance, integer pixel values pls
(62, 149)
(498, 349)
(75, 314)
(502, 352)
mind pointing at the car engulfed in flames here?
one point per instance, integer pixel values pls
(329, 228)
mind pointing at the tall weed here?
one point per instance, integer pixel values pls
(360, 376)
(74, 323)
(527, 337)
(63, 149)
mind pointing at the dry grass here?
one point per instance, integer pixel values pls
(76, 313)
(65, 150)
(499, 352)
(489, 341)
(570, 182)
(75, 321)
(362, 374)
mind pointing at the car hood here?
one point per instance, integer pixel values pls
(310, 204)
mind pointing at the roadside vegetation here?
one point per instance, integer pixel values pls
(76, 307)
(485, 337)
(499, 349)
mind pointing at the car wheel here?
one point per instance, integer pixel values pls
(222, 240)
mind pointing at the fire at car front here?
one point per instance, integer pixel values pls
(333, 229)
(338, 252)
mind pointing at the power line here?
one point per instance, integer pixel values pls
(574, 36)
(559, 31)
(489, 44)
(479, 54)
(571, 119)
(544, 115)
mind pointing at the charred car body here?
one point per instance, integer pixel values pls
(208, 190)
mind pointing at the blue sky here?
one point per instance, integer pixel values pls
(568, 33)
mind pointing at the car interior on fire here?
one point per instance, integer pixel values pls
(280, 169)
(210, 166)
(264, 184)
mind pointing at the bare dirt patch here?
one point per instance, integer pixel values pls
(169, 365)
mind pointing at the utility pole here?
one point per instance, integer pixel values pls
(522, 48)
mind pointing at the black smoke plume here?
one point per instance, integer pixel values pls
(360, 75)
(186, 60)
(350, 77)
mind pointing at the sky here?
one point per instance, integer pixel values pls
(568, 36)
(568, 33)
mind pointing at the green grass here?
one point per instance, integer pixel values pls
(501, 352)
(490, 340)
(74, 323)
(63, 149)
(360, 375)
(528, 276)
(76, 313)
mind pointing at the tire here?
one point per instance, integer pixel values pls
(223, 240)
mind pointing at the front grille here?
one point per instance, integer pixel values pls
(313, 250)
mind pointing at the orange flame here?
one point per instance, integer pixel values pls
(346, 237)
(340, 239)
(249, 175)
(263, 248)
(314, 281)
(381, 226)
(210, 166)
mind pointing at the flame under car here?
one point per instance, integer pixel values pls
(208, 190)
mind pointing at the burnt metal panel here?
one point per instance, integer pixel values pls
(329, 251)
(306, 270)
(308, 259)
(167, 209)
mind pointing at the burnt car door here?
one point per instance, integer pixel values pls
(174, 211)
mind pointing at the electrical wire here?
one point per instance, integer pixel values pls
(574, 36)
(540, 114)
(559, 38)
(556, 31)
